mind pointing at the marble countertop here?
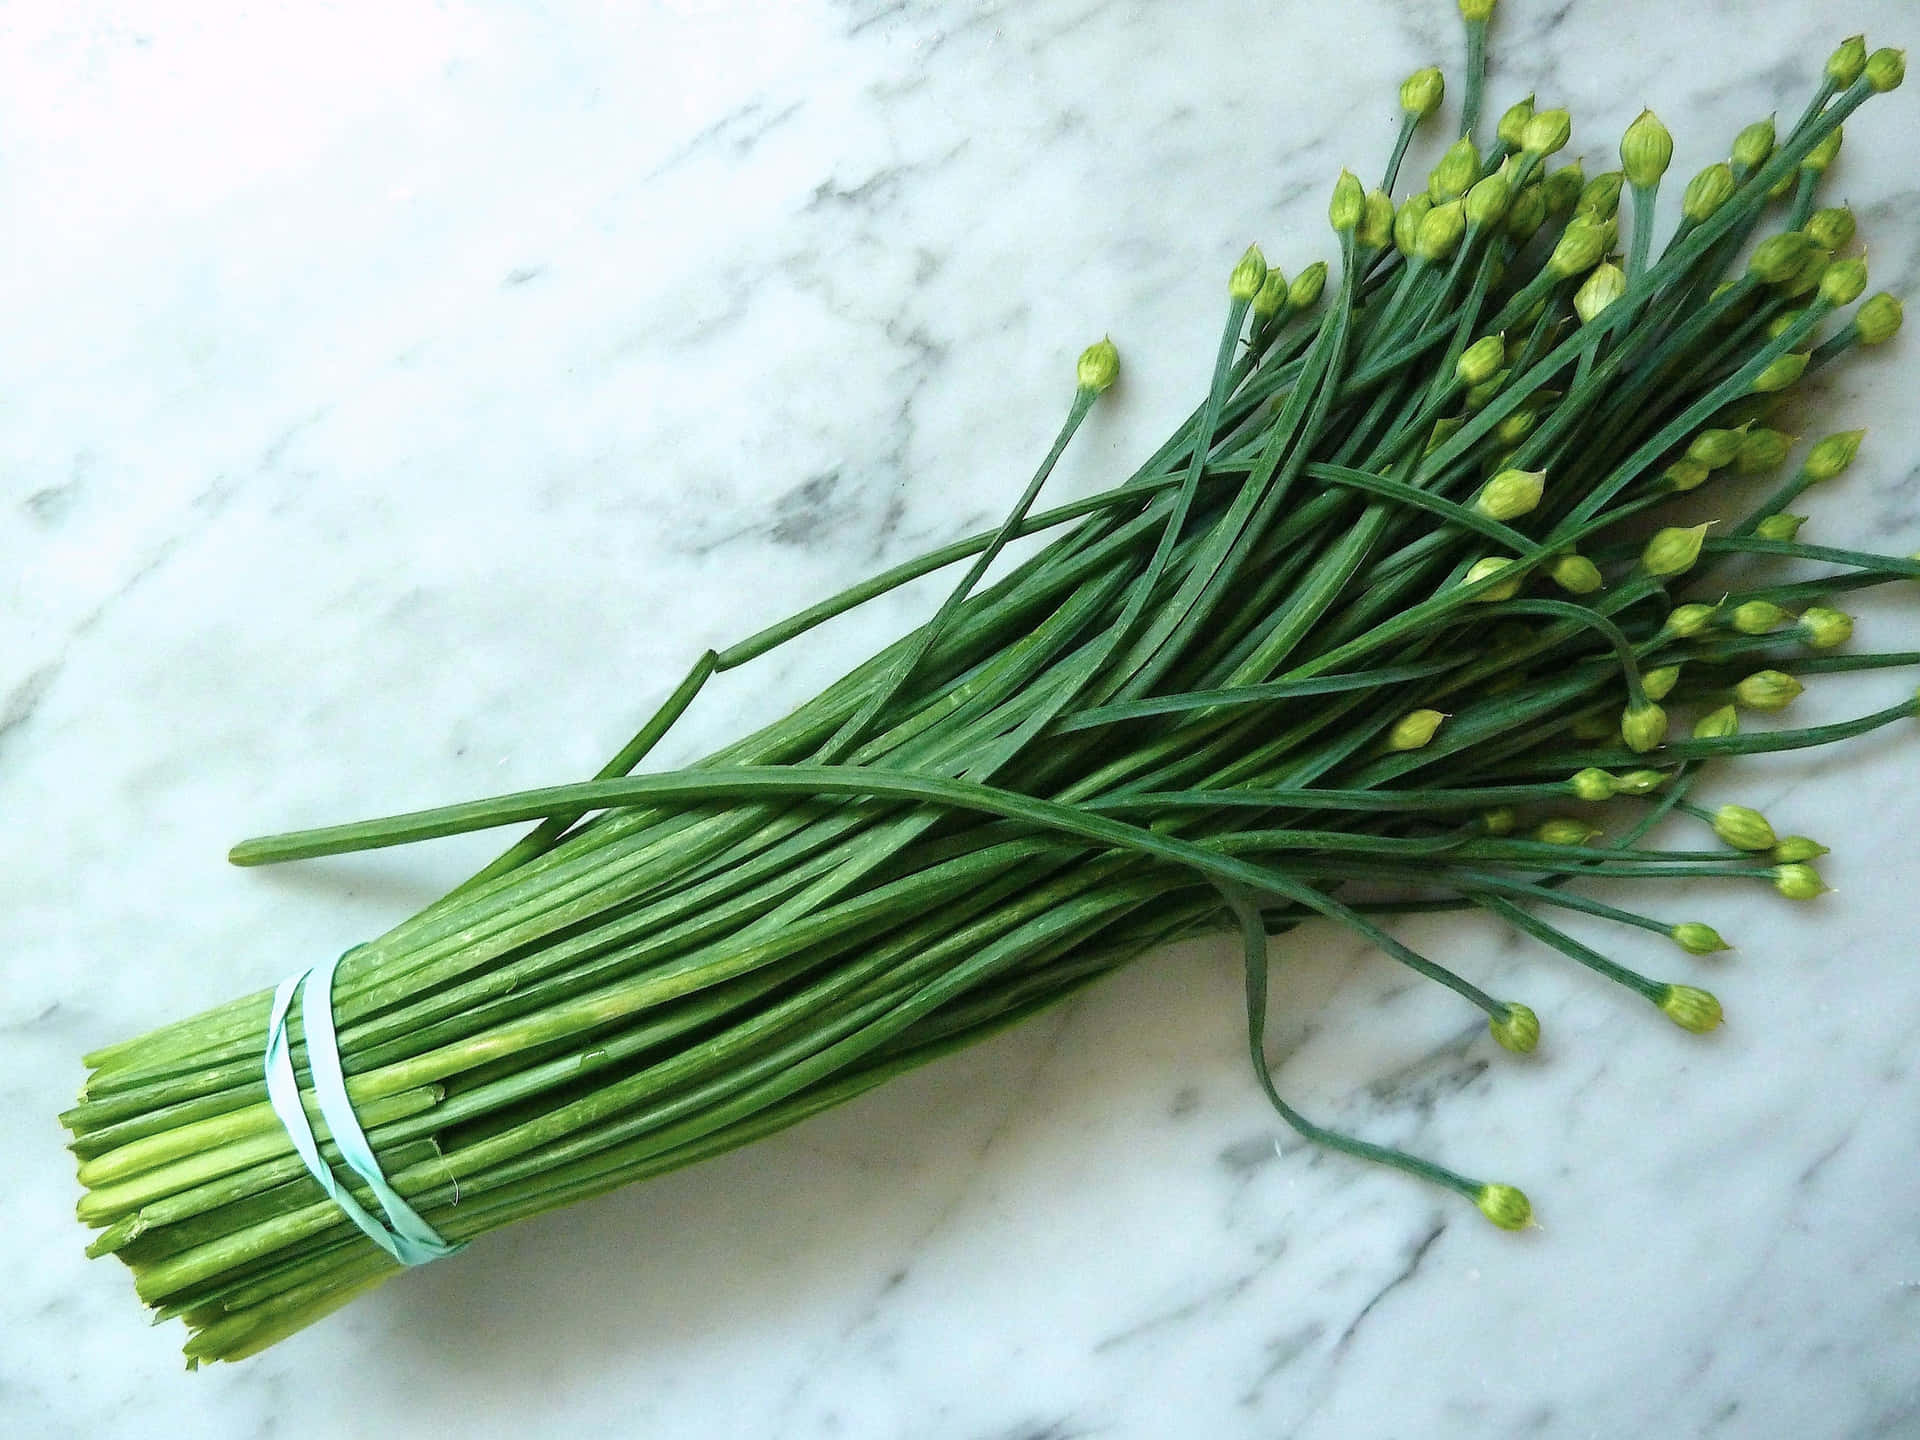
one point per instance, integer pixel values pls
(396, 397)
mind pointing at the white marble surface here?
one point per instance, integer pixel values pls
(396, 396)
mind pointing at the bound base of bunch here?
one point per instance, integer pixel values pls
(1372, 621)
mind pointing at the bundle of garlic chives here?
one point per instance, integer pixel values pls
(1373, 603)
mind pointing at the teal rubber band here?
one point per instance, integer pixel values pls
(407, 1237)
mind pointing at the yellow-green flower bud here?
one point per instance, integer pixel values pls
(1440, 231)
(1511, 493)
(1698, 939)
(1847, 63)
(1674, 550)
(1643, 727)
(1767, 690)
(1830, 457)
(1602, 288)
(1686, 474)
(1638, 782)
(1485, 570)
(1830, 229)
(1476, 11)
(1797, 850)
(1781, 372)
(1714, 448)
(1516, 427)
(1658, 683)
(1761, 449)
(1743, 828)
(1546, 132)
(1717, 724)
(1422, 91)
(1304, 293)
(1499, 821)
(1782, 323)
(1878, 321)
(1406, 225)
(1575, 574)
(1708, 191)
(1823, 154)
(1487, 201)
(1349, 204)
(1580, 247)
(1271, 298)
(1414, 729)
(1591, 784)
(1478, 396)
(1601, 198)
(1690, 1008)
(1798, 881)
(1753, 145)
(1376, 222)
(1757, 617)
(1512, 129)
(1783, 187)
(1516, 1029)
(1527, 213)
(1564, 830)
(1780, 527)
(1504, 1206)
(1480, 361)
(1099, 366)
(1646, 150)
(1886, 69)
(1843, 282)
(1457, 169)
(1248, 275)
(1686, 621)
(1823, 628)
(1562, 188)
(1778, 258)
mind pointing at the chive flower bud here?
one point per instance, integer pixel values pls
(1757, 617)
(1546, 132)
(1777, 258)
(1562, 188)
(1830, 229)
(1476, 10)
(1504, 1205)
(1591, 784)
(1830, 457)
(1698, 939)
(1785, 321)
(1498, 821)
(1674, 550)
(1717, 724)
(1271, 298)
(1886, 69)
(1690, 1008)
(1099, 366)
(1767, 690)
(1564, 830)
(1797, 850)
(1603, 287)
(1422, 91)
(1823, 629)
(1487, 201)
(1440, 231)
(1639, 782)
(1844, 282)
(1743, 828)
(1847, 63)
(1780, 373)
(1527, 213)
(1511, 493)
(1780, 527)
(1686, 621)
(1406, 225)
(1458, 169)
(1376, 222)
(1304, 293)
(1485, 570)
(1822, 155)
(1686, 474)
(1479, 395)
(1714, 448)
(1248, 275)
(1646, 150)
(1512, 129)
(1414, 729)
(1481, 361)
(1798, 881)
(1658, 683)
(1516, 1029)
(1575, 574)
(1878, 321)
(1643, 727)
(1349, 204)
(1753, 145)
(1761, 449)
(1516, 427)
(1601, 198)
(1579, 249)
(1708, 191)
(1783, 187)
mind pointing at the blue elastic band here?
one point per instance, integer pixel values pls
(407, 1238)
